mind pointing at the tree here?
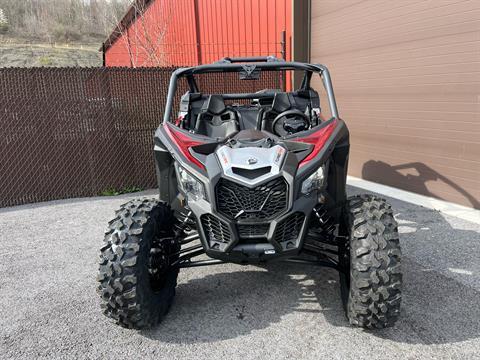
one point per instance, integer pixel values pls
(144, 38)
(62, 20)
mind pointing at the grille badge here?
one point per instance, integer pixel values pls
(240, 213)
(252, 161)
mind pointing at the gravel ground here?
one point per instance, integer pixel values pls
(49, 307)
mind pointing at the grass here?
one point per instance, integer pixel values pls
(115, 192)
(17, 52)
(45, 61)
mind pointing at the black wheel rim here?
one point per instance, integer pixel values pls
(159, 262)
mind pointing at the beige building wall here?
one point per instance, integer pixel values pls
(407, 80)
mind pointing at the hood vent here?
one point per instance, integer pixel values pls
(251, 173)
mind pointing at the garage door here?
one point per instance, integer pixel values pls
(407, 80)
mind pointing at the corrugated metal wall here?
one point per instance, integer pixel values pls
(165, 35)
(407, 79)
(222, 28)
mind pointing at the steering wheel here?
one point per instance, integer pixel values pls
(290, 122)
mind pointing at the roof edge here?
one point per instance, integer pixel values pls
(133, 11)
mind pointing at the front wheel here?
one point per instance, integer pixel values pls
(136, 280)
(372, 278)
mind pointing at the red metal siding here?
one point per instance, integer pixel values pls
(221, 28)
(243, 27)
(117, 54)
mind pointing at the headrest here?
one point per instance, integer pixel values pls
(309, 94)
(281, 102)
(187, 99)
(214, 105)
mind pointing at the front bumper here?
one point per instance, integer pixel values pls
(253, 239)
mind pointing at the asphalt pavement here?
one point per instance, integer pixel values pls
(49, 307)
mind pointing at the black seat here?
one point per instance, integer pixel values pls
(215, 119)
(281, 102)
(303, 100)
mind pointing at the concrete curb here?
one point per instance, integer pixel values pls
(445, 207)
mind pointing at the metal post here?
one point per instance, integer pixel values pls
(283, 44)
(197, 32)
(104, 61)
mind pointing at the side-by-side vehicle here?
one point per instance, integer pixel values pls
(251, 178)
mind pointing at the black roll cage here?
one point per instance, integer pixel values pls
(250, 64)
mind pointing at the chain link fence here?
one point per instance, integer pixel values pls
(76, 132)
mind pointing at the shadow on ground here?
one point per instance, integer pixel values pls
(436, 308)
(241, 302)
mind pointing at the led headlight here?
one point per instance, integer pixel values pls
(193, 188)
(314, 181)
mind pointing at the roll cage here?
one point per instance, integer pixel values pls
(249, 68)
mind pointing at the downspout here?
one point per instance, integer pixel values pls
(301, 31)
(197, 32)
(309, 29)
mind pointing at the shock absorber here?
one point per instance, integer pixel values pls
(185, 226)
(185, 221)
(327, 225)
(321, 237)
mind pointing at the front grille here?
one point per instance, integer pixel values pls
(249, 231)
(261, 202)
(289, 228)
(215, 229)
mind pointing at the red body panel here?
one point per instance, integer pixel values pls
(202, 31)
(183, 143)
(318, 139)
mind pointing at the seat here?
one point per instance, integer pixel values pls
(215, 119)
(281, 102)
(303, 100)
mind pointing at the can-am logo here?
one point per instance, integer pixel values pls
(252, 161)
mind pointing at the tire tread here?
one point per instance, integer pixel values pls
(375, 259)
(122, 277)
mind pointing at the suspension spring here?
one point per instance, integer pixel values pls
(327, 224)
(185, 227)
(185, 222)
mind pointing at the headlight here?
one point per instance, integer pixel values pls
(314, 181)
(192, 187)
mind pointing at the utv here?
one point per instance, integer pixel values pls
(250, 178)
